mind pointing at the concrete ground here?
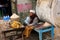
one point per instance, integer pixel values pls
(34, 36)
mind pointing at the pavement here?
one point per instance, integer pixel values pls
(34, 36)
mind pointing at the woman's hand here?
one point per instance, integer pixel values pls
(30, 25)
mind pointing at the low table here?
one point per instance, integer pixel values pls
(45, 29)
(11, 33)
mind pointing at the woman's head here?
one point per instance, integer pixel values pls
(32, 15)
(32, 12)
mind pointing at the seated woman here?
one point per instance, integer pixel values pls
(30, 21)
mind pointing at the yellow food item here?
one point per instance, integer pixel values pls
(16, 24)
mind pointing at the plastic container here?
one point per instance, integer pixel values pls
(6, 18)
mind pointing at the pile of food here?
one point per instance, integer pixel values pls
(16, 24)
(15, 21)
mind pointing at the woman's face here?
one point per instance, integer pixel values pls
(31, 13)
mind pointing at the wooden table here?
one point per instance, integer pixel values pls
(11, 33)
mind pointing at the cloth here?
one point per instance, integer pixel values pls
(32, 11)
(29, 26)
(27, 31)
(27, 21)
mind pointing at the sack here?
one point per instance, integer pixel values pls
(44, 12)
(15, 17)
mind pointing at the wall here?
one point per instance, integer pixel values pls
(23, 5)
(57, 13)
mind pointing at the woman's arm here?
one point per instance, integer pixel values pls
(27, 20)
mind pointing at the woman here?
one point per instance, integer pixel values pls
(30, 21)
